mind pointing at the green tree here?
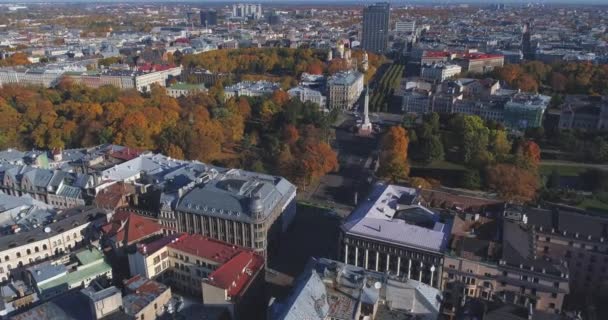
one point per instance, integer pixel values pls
(473, 137)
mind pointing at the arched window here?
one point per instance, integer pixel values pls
(44, 247)
(18, 254)
(6, 258)
(28, 251)
(36, 249)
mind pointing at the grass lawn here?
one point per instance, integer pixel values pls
(594, 205)
(565, 171)
(438, 164)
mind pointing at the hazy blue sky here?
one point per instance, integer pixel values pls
(316, 1)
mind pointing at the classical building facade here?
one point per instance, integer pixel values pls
(345, 88)
(392, 233)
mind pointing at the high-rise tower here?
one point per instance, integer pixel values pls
(376, 27)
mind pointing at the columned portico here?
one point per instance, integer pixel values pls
(346, 254)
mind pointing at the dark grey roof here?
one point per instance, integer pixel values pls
(67, 220)
(518, 249)
(572, 222)
(237, 195)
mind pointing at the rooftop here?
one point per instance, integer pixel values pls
(143, 292)
(345, 78)
(331, 289)
(239, 195)
(385, 216)
(67, 220)
(206, 248)
(237, 273)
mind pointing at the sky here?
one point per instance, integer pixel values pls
(313, 1)
(399, 2)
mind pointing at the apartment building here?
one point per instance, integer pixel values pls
(58, 188)
(219, 273)
(439, 71)
(478, 62)
(480, 265)
(392, 233)
(70, 231)
(405, 26)
(344, 88)
(578, 238)
(417, 101)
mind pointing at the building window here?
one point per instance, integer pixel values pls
(552, 305)
(36, 249)
(18, 254)
(6, 258)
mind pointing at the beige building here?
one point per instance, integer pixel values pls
(506, 269)
(345, 88)
(103, 302)
(69, 232)
(221, 274)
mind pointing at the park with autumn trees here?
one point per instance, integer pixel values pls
(275, 134)
(466, 152)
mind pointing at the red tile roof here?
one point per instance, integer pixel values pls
(129, 227)
(112, 197)
(125, 154)
(236, 274)
(206, 248)
(436, 54)
(481, 56)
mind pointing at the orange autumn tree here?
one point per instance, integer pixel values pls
(512, 183)
(529, 155)
(393, 155)
(317, 160)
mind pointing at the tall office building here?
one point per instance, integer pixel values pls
(247, 10)
(375, 27)
(209, 18)
(526, 44)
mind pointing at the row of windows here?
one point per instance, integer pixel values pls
(28, 251)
